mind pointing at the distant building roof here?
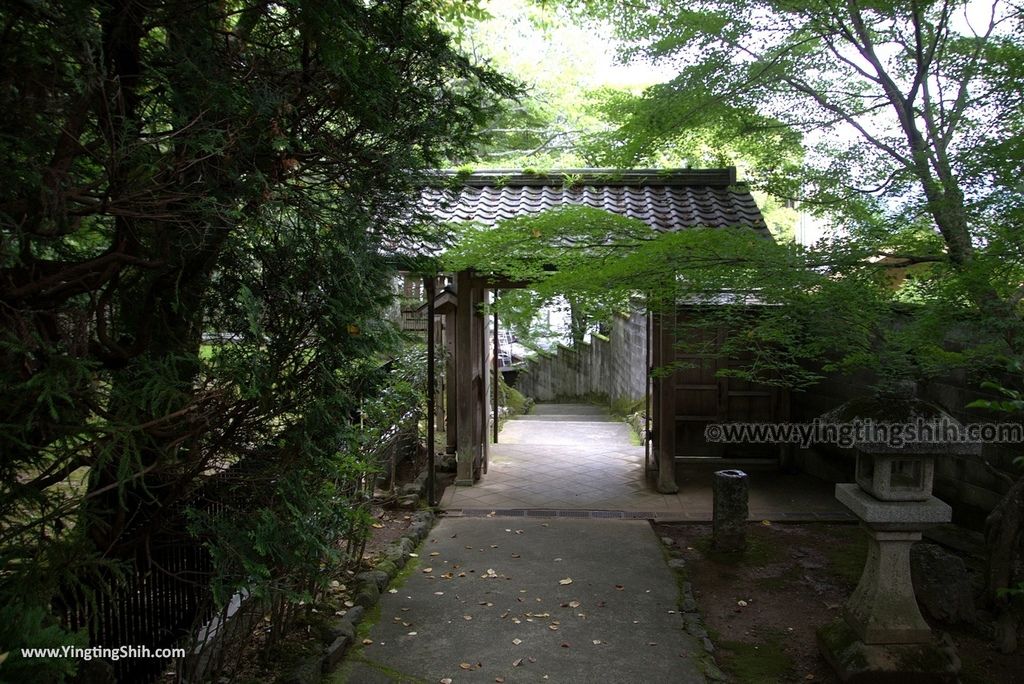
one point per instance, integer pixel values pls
(666, 200)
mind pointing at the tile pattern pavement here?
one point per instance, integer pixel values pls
(577, 463)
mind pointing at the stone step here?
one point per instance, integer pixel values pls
(569, 417)
(569, 409)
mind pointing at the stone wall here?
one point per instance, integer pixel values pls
(612, 366)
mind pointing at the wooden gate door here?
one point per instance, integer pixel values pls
(701, 397)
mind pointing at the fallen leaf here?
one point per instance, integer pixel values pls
(438, 593)
(517, 662)
(446, 680)
(567, 580)
(377, 526)
(392, 591)
(367, 642)
(619, 587)
(435, 553)
(467, 617)
(414, 555)
(500, 680)
(597, 642)
(553, 628)
(427, 570)
(574, 604)
(741, 604)
(411, 634)
(517, 641)
(565, 644)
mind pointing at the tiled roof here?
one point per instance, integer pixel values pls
(665, 200)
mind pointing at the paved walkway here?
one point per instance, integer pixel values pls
(500, 600)
(574, 457)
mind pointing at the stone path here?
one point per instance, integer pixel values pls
(530, 600)
(563, 456)
(577, 457)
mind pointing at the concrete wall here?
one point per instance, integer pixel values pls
(612, 366)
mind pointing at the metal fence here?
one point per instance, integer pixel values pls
(163, 598)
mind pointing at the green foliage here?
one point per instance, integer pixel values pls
(31, 626)
(603, 262)
(512, 399)
(1013, 398)
(895, 125)
(198, 203)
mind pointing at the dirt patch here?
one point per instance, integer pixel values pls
(762, 608)
(388, 525)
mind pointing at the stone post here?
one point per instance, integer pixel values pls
(730, 515)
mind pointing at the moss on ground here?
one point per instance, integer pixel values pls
(761, 549)
(847, 555)
(762, 662)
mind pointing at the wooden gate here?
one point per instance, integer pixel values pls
(692, 395)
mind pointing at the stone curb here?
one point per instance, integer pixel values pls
(368, 588)
(693, 621)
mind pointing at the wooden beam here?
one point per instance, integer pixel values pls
(666, 416)
(497, 368)
(451, 387)
(648, 408)
(428, 284)
(481, 343)
(465, 448)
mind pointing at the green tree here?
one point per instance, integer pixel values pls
(895, 123)
(198, 200)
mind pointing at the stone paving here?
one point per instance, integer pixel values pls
(500, 600)
(572, 457)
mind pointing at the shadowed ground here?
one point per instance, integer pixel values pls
(497, 604)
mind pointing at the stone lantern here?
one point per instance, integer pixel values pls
(881, 635)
